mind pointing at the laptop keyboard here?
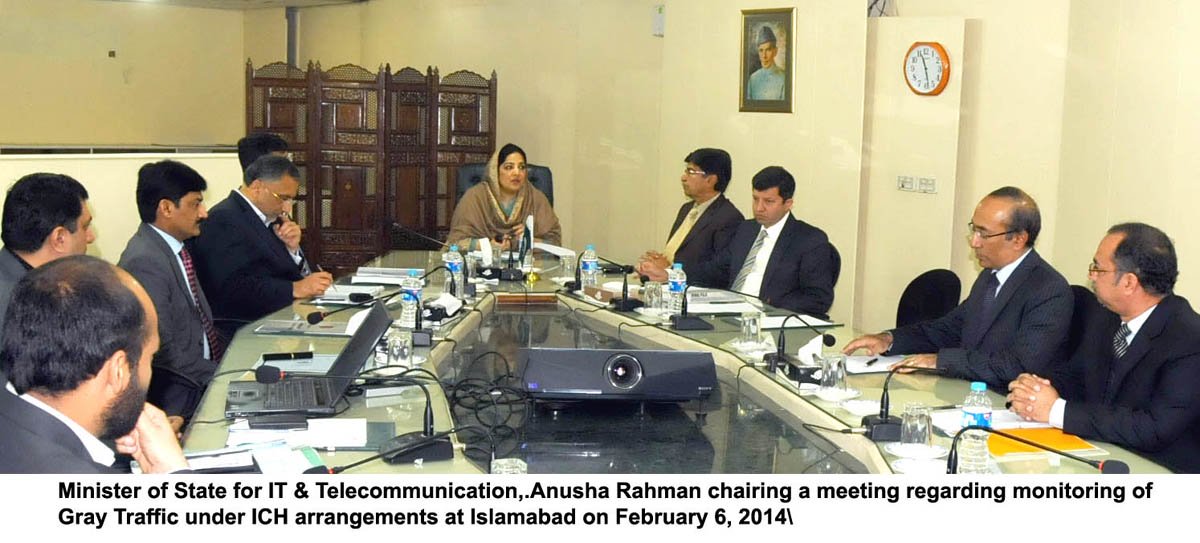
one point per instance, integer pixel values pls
(296, 393)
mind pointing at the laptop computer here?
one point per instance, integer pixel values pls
(314, 396)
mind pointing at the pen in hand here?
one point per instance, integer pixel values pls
(332, 286)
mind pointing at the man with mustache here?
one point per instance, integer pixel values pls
(84, 384)
(170, 201)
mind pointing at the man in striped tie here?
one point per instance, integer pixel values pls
(1133, 379)
(704, 223)
(775, 257)
(170, 201)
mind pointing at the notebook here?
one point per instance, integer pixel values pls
(313, 396)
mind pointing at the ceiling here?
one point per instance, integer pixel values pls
(244, 4)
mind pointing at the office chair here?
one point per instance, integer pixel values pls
(539, 176)
(174, 392)
(929, 296)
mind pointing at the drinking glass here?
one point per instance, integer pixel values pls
(751, 327)
(400, 349)
(833, 371)
(915, 425)
(652, 295)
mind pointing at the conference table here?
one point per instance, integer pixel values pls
(756, 421)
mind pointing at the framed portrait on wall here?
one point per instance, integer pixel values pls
(766, 53)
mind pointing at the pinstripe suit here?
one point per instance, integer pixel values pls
(1025, 330)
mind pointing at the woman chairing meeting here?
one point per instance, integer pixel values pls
(497, 207)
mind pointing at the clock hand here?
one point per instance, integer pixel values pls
(924, 67)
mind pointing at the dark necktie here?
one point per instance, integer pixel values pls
(215, 349)
(991, 288)
(1119, 343)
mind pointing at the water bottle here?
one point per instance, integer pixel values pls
(972, 446)
(410, 300)
(454, 262)
(677, 284)
(589, 267)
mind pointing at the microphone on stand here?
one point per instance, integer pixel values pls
(317, 316)
(780, 356)
(407, 230)
(683, 321)
(884, 427)
(400, 449)
(1105, 466)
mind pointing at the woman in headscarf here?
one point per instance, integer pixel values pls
(497, 207)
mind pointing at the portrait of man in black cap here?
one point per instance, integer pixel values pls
(766, 73)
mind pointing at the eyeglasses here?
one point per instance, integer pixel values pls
(691, 171)
(976, 232)
(285, 200)
(1094, 268)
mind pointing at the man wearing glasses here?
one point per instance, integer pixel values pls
(1016, 318)
(248, 253)
(1133, 379)
(704, 222)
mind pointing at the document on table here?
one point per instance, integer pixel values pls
(773, 323)
(949, 421)
(856, 363)
(736, 308)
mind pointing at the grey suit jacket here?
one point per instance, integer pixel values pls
(36, 442)
(150, 260)
(1024, 332)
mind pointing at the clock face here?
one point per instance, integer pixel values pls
(927, 68)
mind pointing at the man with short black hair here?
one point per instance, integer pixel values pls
(170, 201)
(1016, 318)
(705, 222)
(255, 146)
(775, 257)
(1133, 379)
(248, 253)
(85, 383)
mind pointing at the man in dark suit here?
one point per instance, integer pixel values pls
(248, 253)
(786, 262)
(82, 385)
(170, 201)
(704, 223)
(46, 217)
(1133, 380)
(1014, 320)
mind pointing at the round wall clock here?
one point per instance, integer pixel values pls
(927, 68)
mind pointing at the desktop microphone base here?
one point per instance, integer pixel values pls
(629, 304)
(680, 322)
(422, 338)
(880, 429)
(512, 274)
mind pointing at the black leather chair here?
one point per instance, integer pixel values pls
(929, 296)
(539, 176)
(1087, 310)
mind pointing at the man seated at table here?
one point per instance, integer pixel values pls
(85, 383)
(248, 254)
(705, 222)
(1133, 380)
(1015, 319)
(783, 261)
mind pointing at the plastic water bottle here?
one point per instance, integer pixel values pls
(972, 446)
(410, 300)
(589, 267)
(677, 285)
(454, 262)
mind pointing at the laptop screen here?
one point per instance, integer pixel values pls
(354, 356)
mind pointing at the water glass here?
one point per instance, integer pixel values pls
(751, 328)
(400, 348)
(652, 295)
(566, 266)
(833, 371)
(915, 425)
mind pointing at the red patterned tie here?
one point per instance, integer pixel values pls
(215, 348)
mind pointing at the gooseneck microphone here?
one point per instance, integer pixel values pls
(1106, 467)
(780, 356)
(399, 449)
(317, 316)
(683, 321)
(407, 230)
(884, 427)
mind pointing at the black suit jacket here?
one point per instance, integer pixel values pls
(800, 274)
(709, 235)
(35, 442)
(1149, 400)
(1024, 332)
(244, 267)
(181, 371)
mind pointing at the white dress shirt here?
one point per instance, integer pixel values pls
(753, 283)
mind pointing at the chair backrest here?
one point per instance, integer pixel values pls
(539, 176)
(929, 296)
(1087, 308)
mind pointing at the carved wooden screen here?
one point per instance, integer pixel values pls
(371, 149)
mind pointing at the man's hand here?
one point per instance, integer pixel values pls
(313, 285)
(910, 363)
(873, 343)
(289, 232)
(1032, 397)
(153, 443)
(655, 273)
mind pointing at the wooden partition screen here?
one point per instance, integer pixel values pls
(374, 150)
